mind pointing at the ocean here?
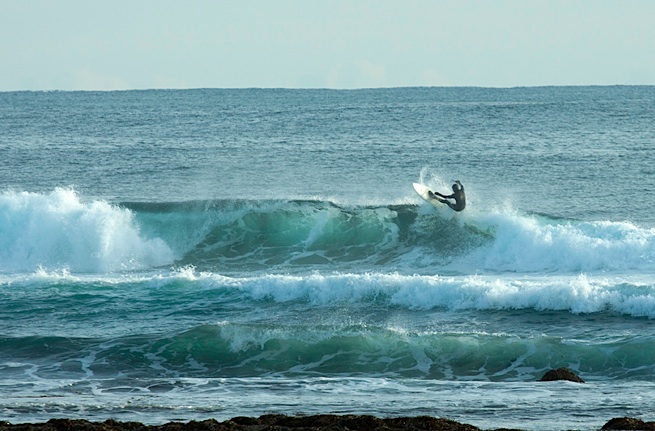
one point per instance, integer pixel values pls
(177, 255)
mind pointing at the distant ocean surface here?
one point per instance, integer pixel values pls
(194, 254)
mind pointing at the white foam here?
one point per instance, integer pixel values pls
(631, 295)
(531, 244)
(57, 230)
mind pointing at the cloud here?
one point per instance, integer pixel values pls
(371, 74)
(357, 74)
(84, 79)
(433, 78)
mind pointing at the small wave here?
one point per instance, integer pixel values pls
(580, 294)
(230, 349)
(629, 295)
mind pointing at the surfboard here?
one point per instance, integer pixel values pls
(424, 192)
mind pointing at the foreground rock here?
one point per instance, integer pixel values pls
(263, 423)
(628, 424)
(290, 423)
(561, 374)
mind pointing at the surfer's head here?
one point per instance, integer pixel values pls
(455, 187)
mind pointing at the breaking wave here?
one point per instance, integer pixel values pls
(62, 230)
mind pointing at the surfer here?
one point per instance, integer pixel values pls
(458, 195)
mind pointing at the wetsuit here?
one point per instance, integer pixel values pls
(459, 196)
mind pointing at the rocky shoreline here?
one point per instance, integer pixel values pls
(289, 423)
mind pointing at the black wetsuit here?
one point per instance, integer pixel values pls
(459, 196)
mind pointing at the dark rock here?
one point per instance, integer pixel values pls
(114, 425)
(628, 424)
(421, 423)
(206, 425)
(350, 422)
(363, 422)
(327, 422)
(172, 426)
(71, 425)
(245, 420)
(561, 374)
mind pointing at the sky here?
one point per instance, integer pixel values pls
(145, 44)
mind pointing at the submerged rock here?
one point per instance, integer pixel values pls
(561, 374)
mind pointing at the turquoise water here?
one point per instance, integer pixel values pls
(178, 255)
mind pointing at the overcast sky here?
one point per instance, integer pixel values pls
(138, 44)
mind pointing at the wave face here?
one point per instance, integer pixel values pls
(60, 230)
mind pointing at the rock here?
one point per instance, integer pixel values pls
(628, 424)
(273, 422)
(112, 424)
(561, 374)
(245, 421)
(424, 423)
(71, 425)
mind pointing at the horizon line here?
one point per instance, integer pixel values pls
(324, 88)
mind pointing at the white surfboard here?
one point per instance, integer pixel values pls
(425, 193)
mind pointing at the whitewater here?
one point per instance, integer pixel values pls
(180, 255)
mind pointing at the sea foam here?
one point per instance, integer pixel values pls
(58, 230)
(530, 243)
